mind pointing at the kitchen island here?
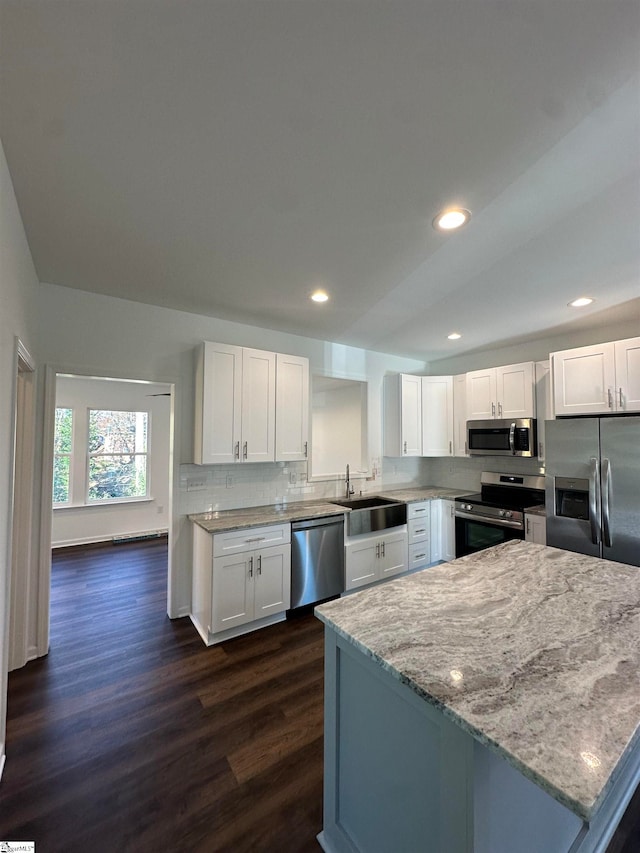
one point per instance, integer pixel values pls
(488, 705)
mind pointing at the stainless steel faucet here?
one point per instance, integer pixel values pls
(348, 487)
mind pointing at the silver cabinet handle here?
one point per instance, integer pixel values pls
(620, 398)
(237, 450)
(250, 567)
(422, 530)
(493, 410)
(256, 539)
(499, 410)
(594, 500)
(244, 450)
(450, 448)
(540, 449)
(606, 498)
(528, 527)
(306, 449)
(383, 549)
(610, 398)
(378, 551)
(405, 447)
(422, 509)
(260, 564)
(419, 557)
(452, 511)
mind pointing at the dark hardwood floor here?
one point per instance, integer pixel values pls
(132, 736)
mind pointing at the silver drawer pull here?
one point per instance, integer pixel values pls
(422, 530)
(256, 539)
(419, 557)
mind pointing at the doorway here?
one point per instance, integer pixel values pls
(22, 645)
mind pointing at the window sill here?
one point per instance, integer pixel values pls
(115, 502)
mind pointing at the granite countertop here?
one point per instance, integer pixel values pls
(532, 650)
(256, 516)
(540, 509)
(422, 493)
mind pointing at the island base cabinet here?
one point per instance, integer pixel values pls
(400, 776)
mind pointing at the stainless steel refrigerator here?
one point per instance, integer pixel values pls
(593, 486)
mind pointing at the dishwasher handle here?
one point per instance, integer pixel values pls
(324, 521)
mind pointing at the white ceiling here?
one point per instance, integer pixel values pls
(226, 158)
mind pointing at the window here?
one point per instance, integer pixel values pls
(118, 455)
(62, 448)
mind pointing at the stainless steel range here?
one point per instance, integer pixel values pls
(496, 514)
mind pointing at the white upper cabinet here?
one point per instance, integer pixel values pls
(481, 395)
(292, 408)
(402, 415)
(501, 392)
(218, 404)
(598, 379)
(460, 415)
(258, 406)
(235, 405)
(437, 415)
(627, 356)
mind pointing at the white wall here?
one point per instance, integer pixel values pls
(79, 524)
(98, 335)
(18, 291)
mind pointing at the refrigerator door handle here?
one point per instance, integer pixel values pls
(606, 498)
(594, 502)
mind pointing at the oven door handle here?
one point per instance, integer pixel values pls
(496, 522)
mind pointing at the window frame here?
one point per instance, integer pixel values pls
(64, 454)
(88, 501)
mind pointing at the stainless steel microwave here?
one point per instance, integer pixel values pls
(502, 437)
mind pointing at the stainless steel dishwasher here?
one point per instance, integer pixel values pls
(317, 559)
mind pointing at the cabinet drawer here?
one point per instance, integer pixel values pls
(250, 538)
(419, 555)
(418, 529)
(421, 509)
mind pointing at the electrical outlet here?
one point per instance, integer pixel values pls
(293, 477)
(229, 481)
(196, 485)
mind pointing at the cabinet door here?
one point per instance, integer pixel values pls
(481, 395)
(515, 391)
(584, 380)
(232, 593)
(258, 405)
(272, 572)
(543, 403)
(448, 531)
(411, 409)
(292, 408)
(437, 415)
(218, 404)
(535, 529)
(460, 415)
(627, 358)
(392, 554)
(361, 563)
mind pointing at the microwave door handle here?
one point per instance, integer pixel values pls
(606, 498)
(594, 503)
(512, 439)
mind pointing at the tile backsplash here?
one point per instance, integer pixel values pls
(207, 488)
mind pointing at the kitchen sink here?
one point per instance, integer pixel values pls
(368, 515)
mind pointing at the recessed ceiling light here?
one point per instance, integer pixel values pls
(581, 302)
(448, 220)
(454, 336)
(320, 296)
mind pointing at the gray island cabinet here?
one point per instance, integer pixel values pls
(489, 705)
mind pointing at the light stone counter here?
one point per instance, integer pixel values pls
(539, 510)
(257, 516)
(534, 651)
(423, 493)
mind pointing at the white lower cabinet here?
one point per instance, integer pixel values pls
(535, 528)
(443, 532)
(374, 558)
(419, 534)
(241, 581)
